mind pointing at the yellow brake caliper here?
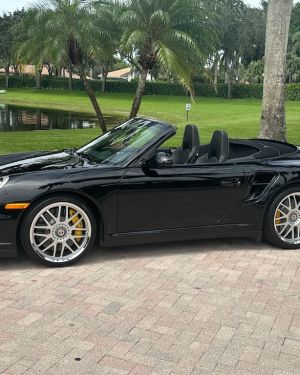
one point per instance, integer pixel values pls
(79, 226)
(277, 216)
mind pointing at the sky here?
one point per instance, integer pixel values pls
(11, 5)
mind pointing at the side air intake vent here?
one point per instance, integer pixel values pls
(260, 184)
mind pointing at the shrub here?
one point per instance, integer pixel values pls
(293, 91)
(239, 91)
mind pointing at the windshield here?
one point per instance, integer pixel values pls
(121, 144)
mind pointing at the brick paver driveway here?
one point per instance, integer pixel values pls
(221, 307)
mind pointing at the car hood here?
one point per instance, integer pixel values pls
(38, 161)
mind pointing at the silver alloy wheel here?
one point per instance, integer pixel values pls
(287, 219)
(60, 232)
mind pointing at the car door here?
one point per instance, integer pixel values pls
(176, 197)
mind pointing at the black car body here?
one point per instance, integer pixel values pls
(143, 201)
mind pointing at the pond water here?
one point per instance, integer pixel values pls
(15, 118)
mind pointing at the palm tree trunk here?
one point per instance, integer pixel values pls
(273, 121)
(139, 93)
(70, 78)
(37, 77)
(7, 76)
(103, 83)
(229, 84)
(104, 76)
(93, 99)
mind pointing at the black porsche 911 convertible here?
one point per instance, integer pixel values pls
(126, 188)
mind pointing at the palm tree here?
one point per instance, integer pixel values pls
(296, 43)
(273, 121)
(230, 17)
(255, 71)
(66, 32)
(293, 68)
(104, 53)
(165, 32)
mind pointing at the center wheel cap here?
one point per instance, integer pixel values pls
(60, 232)
(294, 218)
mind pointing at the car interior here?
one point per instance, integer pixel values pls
(222, 149)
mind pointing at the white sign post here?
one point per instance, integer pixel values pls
(188, 107)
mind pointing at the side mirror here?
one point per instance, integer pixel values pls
(162, 160)
(147, 166)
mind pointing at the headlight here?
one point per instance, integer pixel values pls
(3, 181)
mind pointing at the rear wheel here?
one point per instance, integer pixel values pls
(58, 231)
(282, 225)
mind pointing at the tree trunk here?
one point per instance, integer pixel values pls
(38, 72)
(139, 93)
(216, 72)
(273, 121)
(16, 69)
(7, 76)
(93, 99)
(104, 76)
(70, 78)
(229, 89)
(229, 78)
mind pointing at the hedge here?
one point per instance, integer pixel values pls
(239, 91)
(293, 91)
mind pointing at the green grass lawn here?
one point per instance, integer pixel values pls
(239, 117)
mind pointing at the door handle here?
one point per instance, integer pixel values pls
(231, 182)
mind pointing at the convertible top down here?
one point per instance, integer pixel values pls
(128, 187)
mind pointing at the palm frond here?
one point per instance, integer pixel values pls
(175, 64)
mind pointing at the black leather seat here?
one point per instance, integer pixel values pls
(218, 151)
(187, 153)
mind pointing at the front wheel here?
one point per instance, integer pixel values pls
(58, 231)
(282, 224)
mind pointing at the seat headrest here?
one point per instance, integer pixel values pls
(191, 139)
(219, 146)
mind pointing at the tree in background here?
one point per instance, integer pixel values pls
(67, 32)
(104, 53)
(273, 121)
(8, 38)
(295, 19)
(231, 17)
(31, 45)
(241, 31)
(293, 55)
(293, 68)
(253, 35)
(171, 34)
(254, 72)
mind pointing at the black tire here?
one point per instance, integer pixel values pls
(269, 231)
(34, 211)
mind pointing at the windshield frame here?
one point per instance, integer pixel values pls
(168, 131)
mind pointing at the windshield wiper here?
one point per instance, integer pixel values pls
(86, 156)
(70, 151)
